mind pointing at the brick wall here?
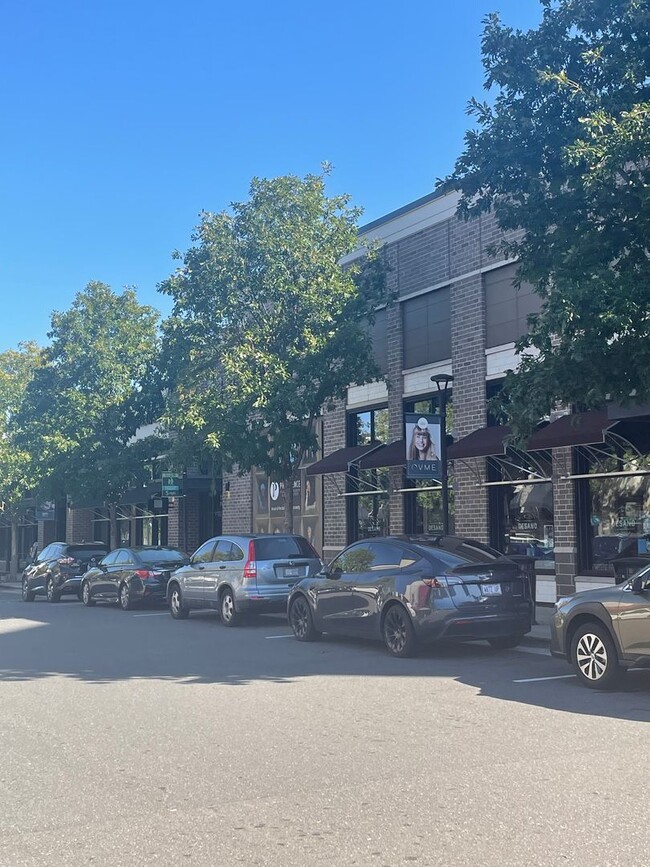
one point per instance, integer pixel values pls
(566, 544)
(237, 503)
(469, 366)
(79, 525)
(334, 506)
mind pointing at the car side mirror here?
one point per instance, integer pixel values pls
(639, 584)
(92, 562)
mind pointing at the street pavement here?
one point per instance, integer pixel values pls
(127, 738)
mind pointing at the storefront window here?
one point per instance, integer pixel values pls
(528, 523)
(368, 512)
(619, 524)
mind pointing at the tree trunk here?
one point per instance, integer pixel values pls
(112, 515)
(13, 563)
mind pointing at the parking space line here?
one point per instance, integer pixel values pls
(154, 614)
(537, 679)
(280, 636)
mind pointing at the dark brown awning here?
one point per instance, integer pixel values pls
(340, 460)
(577, 429)
(391, 455)
(481, 443)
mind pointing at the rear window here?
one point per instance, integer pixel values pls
(458, 552)
(279, 549)
(86, 553)
(161, 556)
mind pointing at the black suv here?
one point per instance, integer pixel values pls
(59, 567)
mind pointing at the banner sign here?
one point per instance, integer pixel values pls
(422, 446)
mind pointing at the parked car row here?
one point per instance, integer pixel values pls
(405, 591)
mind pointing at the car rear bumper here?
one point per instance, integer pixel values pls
(71, 584)
(476, 628)
(267, 598)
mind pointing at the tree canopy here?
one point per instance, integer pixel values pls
(93, 391)
(562, 153)
(267, 325)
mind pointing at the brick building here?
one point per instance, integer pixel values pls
(567, 500)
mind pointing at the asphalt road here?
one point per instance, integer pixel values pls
(132, 739)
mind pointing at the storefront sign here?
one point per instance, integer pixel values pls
(171, 484)
(422, 446)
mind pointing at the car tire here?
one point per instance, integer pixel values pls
(398, 632)
(594, 656)
(86, 598)
(177, 609)
(301, 620)
(505, 642)
(124, 597)
(51, 592)
(27, 594)
(228, 609)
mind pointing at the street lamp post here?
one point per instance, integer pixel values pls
(443, 381)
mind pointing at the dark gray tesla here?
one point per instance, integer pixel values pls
(411, 589)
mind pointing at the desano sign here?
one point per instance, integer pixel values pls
(422, 446)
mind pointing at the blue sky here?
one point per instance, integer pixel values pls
(123, 119)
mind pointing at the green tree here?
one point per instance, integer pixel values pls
(94, 390)
(267, 326)
(561, 152)
(17, 472)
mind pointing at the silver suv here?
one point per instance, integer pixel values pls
(241, 574)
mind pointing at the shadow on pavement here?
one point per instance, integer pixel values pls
(106, 645)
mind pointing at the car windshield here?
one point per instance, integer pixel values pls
(275, 548)
(156, 555)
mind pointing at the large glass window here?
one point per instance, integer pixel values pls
(367, 510)
(614, 514)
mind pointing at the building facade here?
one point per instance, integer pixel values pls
(575, 500)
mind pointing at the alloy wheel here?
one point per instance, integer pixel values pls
(85, 594)
(125, 597)
(227, 607)
(50, 590)
(300, 618)
(591, 656)
(399, 635)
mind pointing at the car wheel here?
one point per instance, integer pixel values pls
(50, 589)
(227, 609)
(505, 642)
(398, 632)
(28, 595)
(594, 657)
(302, 621)
(124, 597)
(176, 608)
(86, 598)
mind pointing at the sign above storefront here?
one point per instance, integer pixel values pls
(171, 484)
(422, 446)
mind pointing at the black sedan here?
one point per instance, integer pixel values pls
(59, 568)
(412, 589)
(129, 576)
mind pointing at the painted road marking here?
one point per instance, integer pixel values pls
(537, 679)
(154, 614)
(279, 636)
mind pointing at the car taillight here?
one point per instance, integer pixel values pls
(145, 573)
(432, 582)
(250, 569)
(65, 561)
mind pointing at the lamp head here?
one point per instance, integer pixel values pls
(442, 380)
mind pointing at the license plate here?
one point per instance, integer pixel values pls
(291, 573)
(491, 589)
